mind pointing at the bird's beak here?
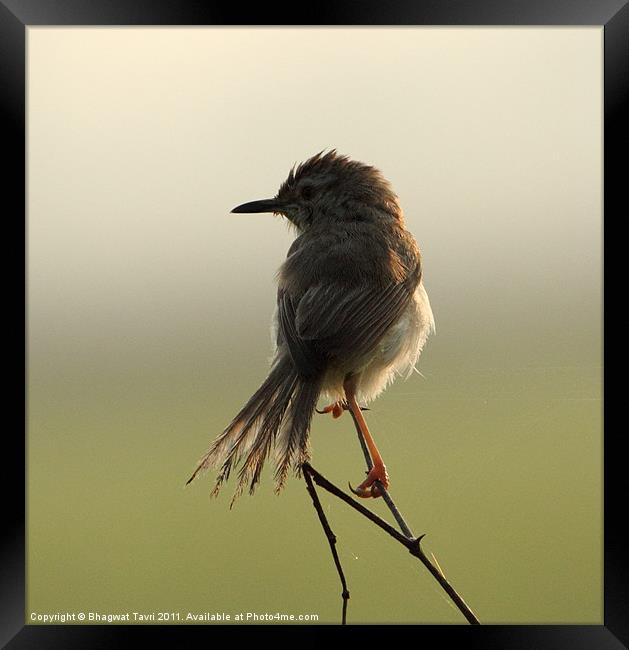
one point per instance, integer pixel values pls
(265, 205)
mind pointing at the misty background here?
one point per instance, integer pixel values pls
(149, 308)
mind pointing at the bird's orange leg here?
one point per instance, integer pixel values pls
(379, 471)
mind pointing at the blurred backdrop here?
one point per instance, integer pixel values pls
(149, 308)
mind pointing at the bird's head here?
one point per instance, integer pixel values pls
(330, 187)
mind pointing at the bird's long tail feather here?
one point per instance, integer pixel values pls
(277, 415)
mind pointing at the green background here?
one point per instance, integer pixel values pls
(149, 309)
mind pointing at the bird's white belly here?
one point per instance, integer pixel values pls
(396, 354)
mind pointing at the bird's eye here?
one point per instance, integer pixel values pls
(306, 192)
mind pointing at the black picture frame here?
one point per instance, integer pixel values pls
(17, 15)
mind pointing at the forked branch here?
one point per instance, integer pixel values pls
(413, 544)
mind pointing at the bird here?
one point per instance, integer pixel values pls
(351, 315)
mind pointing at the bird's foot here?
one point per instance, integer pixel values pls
(337, 409)
(369, 488)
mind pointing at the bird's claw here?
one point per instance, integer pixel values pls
(337, 409)
(372, 493)
(370, 488)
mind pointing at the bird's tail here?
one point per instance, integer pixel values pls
(278, 416)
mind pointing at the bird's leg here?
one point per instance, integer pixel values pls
(379, 471)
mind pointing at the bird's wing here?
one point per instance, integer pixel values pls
(305, 357)
(334, 321)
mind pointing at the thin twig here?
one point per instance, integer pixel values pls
(331, 541)
(323, 482)
(412, 544)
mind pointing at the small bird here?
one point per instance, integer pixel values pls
(351, 314)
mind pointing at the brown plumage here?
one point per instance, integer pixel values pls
(351, 314)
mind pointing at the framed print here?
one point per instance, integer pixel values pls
(490, 135)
